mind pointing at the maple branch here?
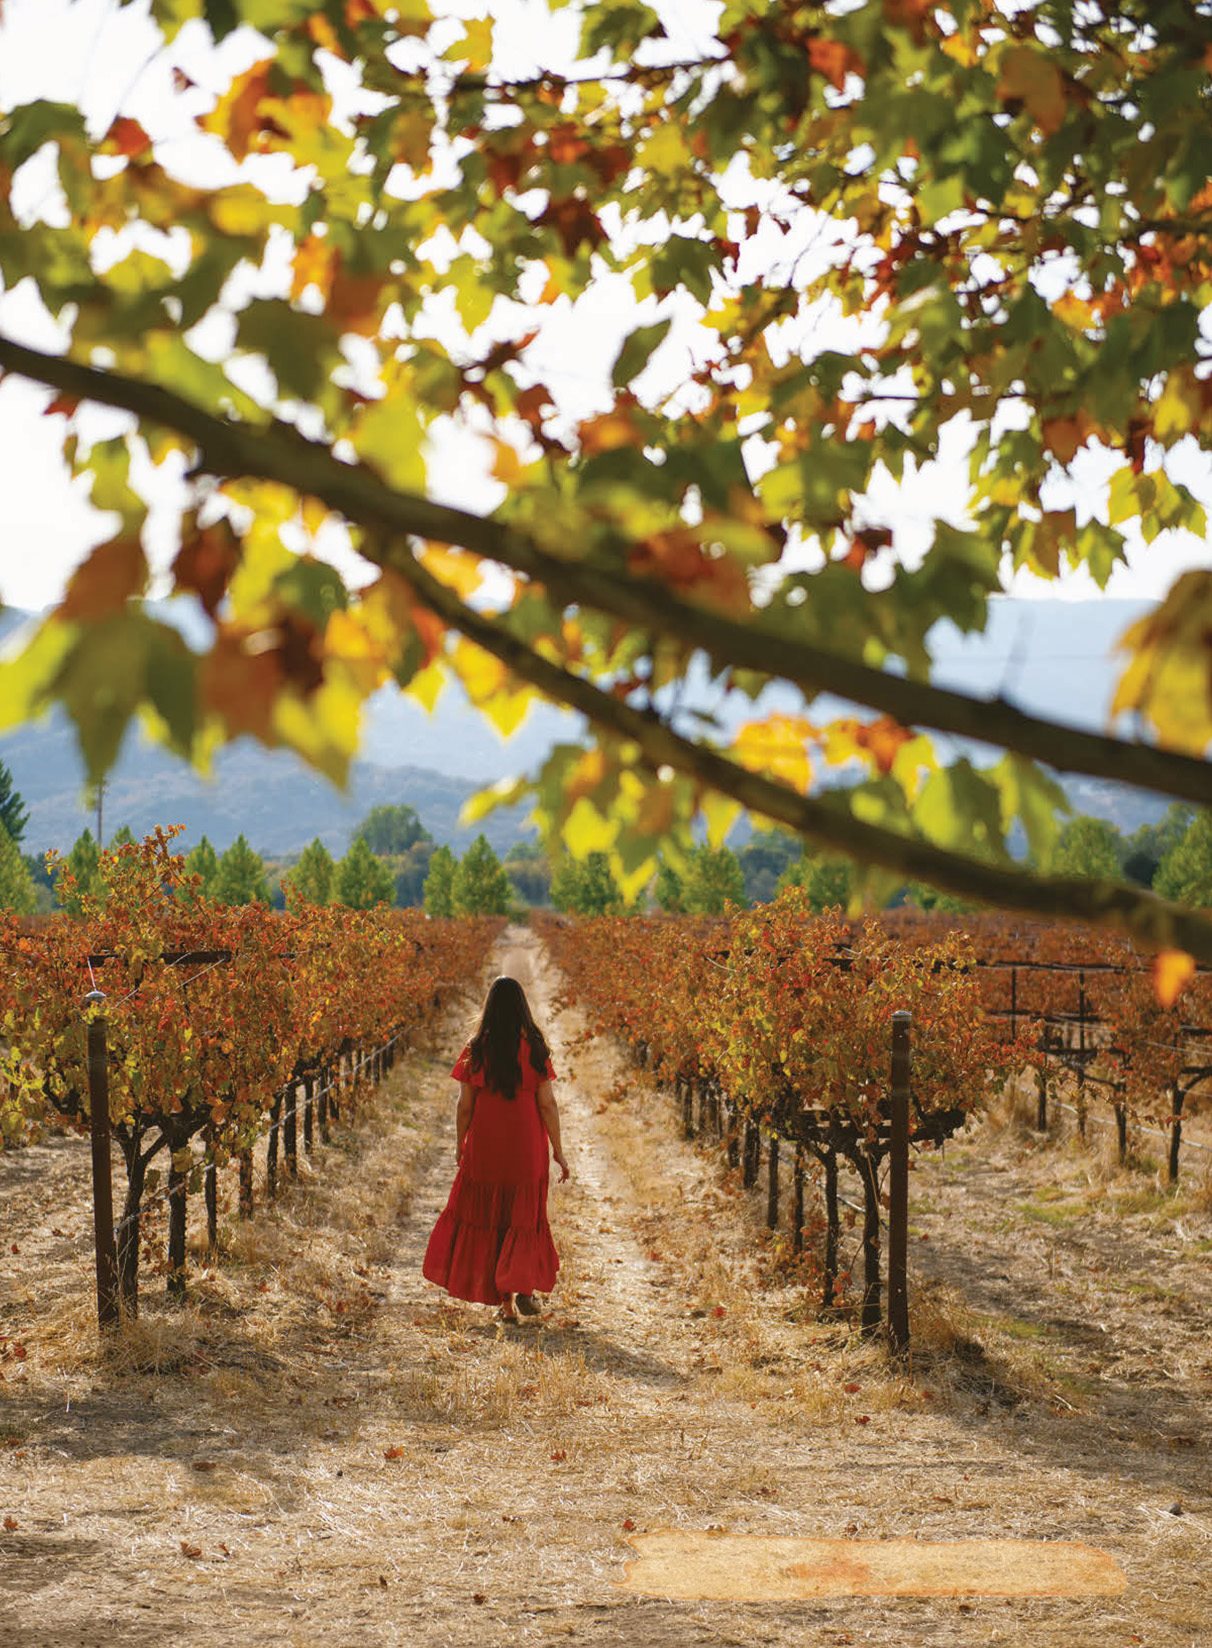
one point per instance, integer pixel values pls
(1145, 917)
(277, 452)
(550, 80)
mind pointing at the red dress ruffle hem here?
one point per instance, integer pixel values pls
(492, 1238)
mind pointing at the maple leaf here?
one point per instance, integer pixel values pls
(575, 222)
(835, 60)
(125, 137)
(236, 116)
(1028, 76)
(205, 563)
(112, 574)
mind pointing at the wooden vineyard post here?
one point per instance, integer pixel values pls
(246, 1184)
(1041, 1094)
(751, 1155)
(103, 1192)
(797, 1201)
(1121, 1131)
(1177, 1096)
(271, 1148)
(177, 1192)
(290, 1129)
(210, 1188)
(772, 1183)
(734, 1143)
(687, 1107)
(869, 1173)
(898, 1188)
(325, 1083)
(832, 1232)
(309, 1085)
(1081, 1055)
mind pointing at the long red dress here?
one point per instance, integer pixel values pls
(492, 1238)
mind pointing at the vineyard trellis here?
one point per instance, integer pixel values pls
(1077, 1040)
(792, 1046)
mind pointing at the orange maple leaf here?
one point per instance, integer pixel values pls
(236, 116)
(205, 563)
(126, 137)
(103, 584)
(834, 59)
(882, 739)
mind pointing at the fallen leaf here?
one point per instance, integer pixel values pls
(11, 1524)
(393, 1453)
(189, 1550)
(628, 1525)
(862, 1418)
(851, 1388)
(559, 1455)
(204, 1464)
(479, 1597)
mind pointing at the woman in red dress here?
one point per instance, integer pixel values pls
(492, 1243)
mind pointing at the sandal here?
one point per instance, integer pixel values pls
(526, 1304)
(506, 1313)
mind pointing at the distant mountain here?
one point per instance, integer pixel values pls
(1051, 657)
(267, 795)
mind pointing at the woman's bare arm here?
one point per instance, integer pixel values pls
(467, 1100)
(550, 1113)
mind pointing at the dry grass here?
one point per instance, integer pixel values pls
(322, 1449)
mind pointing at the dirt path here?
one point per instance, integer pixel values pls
(336, 1454)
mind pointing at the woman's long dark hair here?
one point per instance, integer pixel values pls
(504, 1022)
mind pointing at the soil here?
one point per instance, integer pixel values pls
(321, 1448)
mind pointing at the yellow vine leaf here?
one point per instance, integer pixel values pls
(1172, 972)
(778, 747)
(455, 568)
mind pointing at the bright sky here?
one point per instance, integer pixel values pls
(103, 57)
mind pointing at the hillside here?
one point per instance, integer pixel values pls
(1054, 657)
(268, 795)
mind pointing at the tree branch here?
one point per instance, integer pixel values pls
(274, 451)
(1149, 920)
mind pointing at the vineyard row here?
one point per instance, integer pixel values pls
(775, 1025)
(207, 1026)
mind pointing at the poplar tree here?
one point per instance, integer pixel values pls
(14, 815)
(17, 890)
(362, 880)
(438, 891)
(241, 876)
(311, 879)
(203, 861)
(481, 885)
